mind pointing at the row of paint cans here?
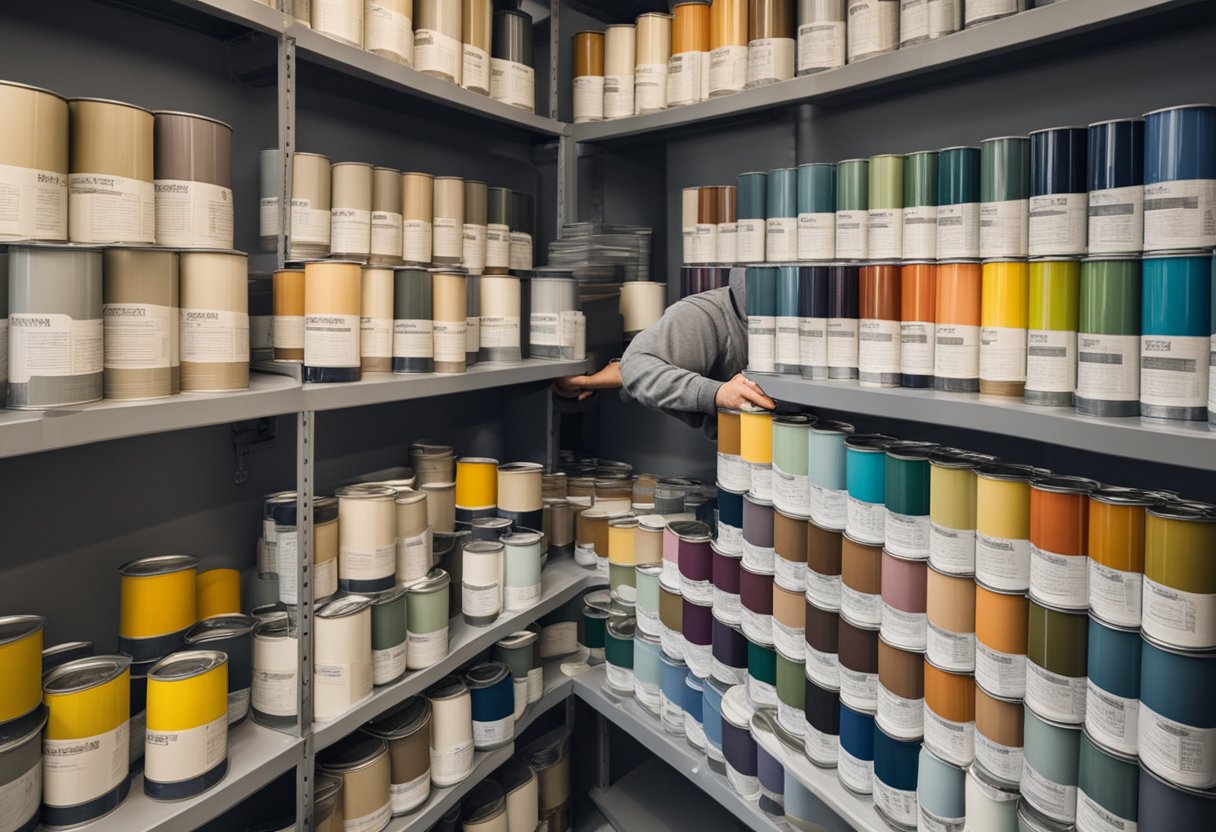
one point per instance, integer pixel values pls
(123, 323)
(102, 172)
(697, 279)
(381, 216)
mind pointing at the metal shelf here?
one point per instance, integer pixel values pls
(654, 796)
(1050, 27)
(1187, 444)
(256, 756)
(363, 66)
(560, 581)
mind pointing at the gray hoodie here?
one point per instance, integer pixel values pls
(678, 363)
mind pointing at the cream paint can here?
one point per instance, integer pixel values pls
(367, 538)
(214, 321)
(449, 316)
(438, 47)
(413, 537)
(417, 201)
(350, 212)
(520, 493)
(386, 219)
(476, 36)
(111, 195)
(341, 20)
(451, 731)
(34, 163)
(186, 738)
(332, 324)
(642, 303)
(447, 223)
(287, 328)
(512, 77)
(193, 181)
(426, 619)
(500, 318)
(522, 789)
(652, 50)
(441, 505)
(482, 582)
(275, 672)
(388, 30)
(342, 660)
(553, 295)
(309, 229)
(620, 63)
(140, 314)
(362, 761)
(376, 325)
(474, 231)
(55, 352)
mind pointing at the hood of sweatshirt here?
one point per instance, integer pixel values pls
(738, 291)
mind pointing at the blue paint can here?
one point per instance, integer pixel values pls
(492, 692)
(821, 739)
(647, 671)
(738, 745)
(940, 792)
(751, 207)
(671, 686)
(895, 776)
(788, 356)
(866, 482)
(781, 215)
(769, 769)
(1116, 186)
(1175, 339)
(1059, 202)
(1112, 699)
(712, 692)
(856, 764)
(761, 288)
(694, 720)
(813, 321)
(1165, 807)
(1178, 716)
(844, 312)
(1180, 178)
(817, 211)
(827, 467)
(730, 521)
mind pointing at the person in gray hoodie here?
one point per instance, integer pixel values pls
(688, 363)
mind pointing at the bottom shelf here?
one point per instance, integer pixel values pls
(654, 796)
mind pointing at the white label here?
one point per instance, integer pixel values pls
(956, 350)
(781, 239)
(341, 21)
(733, 473)
(1000, 674)
(451, 765)
(829, 507)
(916, 340)
(535, 684)
(761, 477)
(1061, 698)
(425, 649)
(1114, 595)
(898, 805)
(750, 241)
(859, 607)
(172, 756)
(438, 53)
(498, 246)
(856, 774)
(473, 247)
(908, 630)
(851, 239)
(728, 675)
(1108, 367)
(1183, 754)
(649, 88)
(873, 27)
(1058, 223)
(388, 665)
(758, 558)
(619, 678)
(728, 66)
(788, 641)
(79, 770)
(787, 347)
(1051, 361)
(791, 495)
(790, 574)
(817, 235)
(867, 522)
(823, 590)
(1053, 799)
(705, 243)
(386, 234)
(757, 626)
(110, 209)
(43, 345)
(920, 233)
(699, 658)
(761, 694)
(375, 337)
(448, 238)
(350, 230)
(950, 651)
(1187, 619)
(823, 668)
(499, 331)
(544, 329)
(309, 226)
(728, 242)
(791, 719)
(417, 238)
(727, 606)
(331, 340)
(858, 690)
(1172, 370)
(1116, 220)
(325, 579)
(907, 535)
(672, 642)
(761, 343)
(495, 732)
(952, 741)
(648, 620)
(518, 598)
(413, 556)
(521, 251)
(979, 10)
(588, 98)
(574, 335)
(388, 30)
(512, 83)
(362, 563)
(1059, 580)
(1002, 563)
(20, 797)
(813, 343)
(899, 717)
(952, 550)
(671, 714)
(686, 78)
(1177, 214)
(1112, 720)
(688, 239)
(618, 96)
(475, 69)
(1000, 760)
(821, 748)
(449, 340)
(913, 21)
(268, 217)
(878, 348)
(481, 601)
(1093, 818)
(193, 214)
(1004, 228)
(648, 696)
(958, 231)
(33, 204)
(287, 562)
(1002, 353)
(885, 233)
(412, 339)
(842, 342)
(821, 45)
(406, 797)
(929, 822)
(287, 332)
(138, 336)
(769, 60)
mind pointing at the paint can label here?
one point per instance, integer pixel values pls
(689, 240)
(829, 507)
(1182, 754)
(761, 343)
(699, 658)
(1108, 367)
(649, 88)
(821, 748)
(685, 78)
(367, 563)
(727, 606)
(1059, 580)
(907, 535)
(929, 822)
(859, 607)
(1091, 817)
(1056, 697)
(1002, 353)
(475, 69)
(1001, 761)
(728, 675)
(214, 336)
(817, 236)
(309, 226)
(1058, 224)
(873, 28)
(769, 60)
(1002, 563)
(521, 251)
(672, 642)
(274, 678)
(823, 668)
(447, 238)
(950, 651)
(1112, 720)
(350, 230)
(193, 214)
(900, 717)
(789, 641)
(103, 208)
(761, 694)
(388, 30)
(823, 590)
(36, 204)
(414, 555)
(698, 592)
(1004, 228)
(412, 339)
(851, 237)
(388, 664)
(375, 337)
(481, 601)
(895, 804)
(1114, 595)
(340, 685)
(672, 716)
(958, 231)
(451, 765)
(406, 797)
(907, 630)
(287, 332)
(498, 246)
(425, 649)
(449, 340)
(788, 354)
(1056, 800)
(744, 785)
(1171, 370)
(952, 550)
(821, 45)
(842, 342)
(1177, 617)
(757, 626)
(952, 741)
(648, 696)
(790, 574)
(728, 66)
(1177, 214)
(878, 349)
(728, 242)
(618, 96)
(559, 639)
(417, 237)
(781, 239)
(758, 558)
(858, 690)
(76, 771)
(499, 331)
(238, 705)
(588, 98)
(750, 241)
(857, 775)
(435, 52)
(20, 797)
(45, 345)
(1051, 361)
(138, 336)
(980, 10)
(885, 233)
(1116, 220)
(791, 719)
(813, 343)
(496, 731)
(867, 522)
(919, 233)
(513, 83)
(1000, 674)
(268, 217)
(183, 754)
(705, 243)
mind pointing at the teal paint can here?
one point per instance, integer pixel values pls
(1175, 335)
(817, 211)
(751, 208)
(920, 205)
(1107, 789)
(852, 209)
(781, 216)
(1004, 197)
(958, 203)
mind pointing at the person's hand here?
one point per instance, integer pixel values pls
(572, 387)
(740, 389)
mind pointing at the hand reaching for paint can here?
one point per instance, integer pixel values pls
(580, 387)
(740, 389)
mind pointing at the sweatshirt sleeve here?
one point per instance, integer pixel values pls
(667, 365)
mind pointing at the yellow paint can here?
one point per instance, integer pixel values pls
(157, 604)
(186, 745)
(20, 665)
(218, 592)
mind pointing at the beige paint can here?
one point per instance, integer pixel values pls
(214, 321)
(362, 761)
(437, 39)
(386, 217)
(417, 211)
(342, 666)
(448, 221)
(376, 325)
(140, 319)
(449, 304)
(388, 29)
(341, 20)
(111, 195)
(193, 180)
(34, 163)
(476, 36)
(350, 210)
(310, 203)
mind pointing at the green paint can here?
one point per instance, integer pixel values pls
(1108, 339)
(388, 636)
(1004, 197)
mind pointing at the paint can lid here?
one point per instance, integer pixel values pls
(521, 468)
(264, 611)
(1180, 107)
(989, 786)
(449, 687)
(912, 450)
(389, 596)
(830, 426)
(1056, 129)
(365, 491)
(1120, 496)
(521, 538)
(278, 626)
(690, 531)
(186, 665)
(432, 581)
(869, 442)
(83, 674)
(400, 484)
(17, 732)
(344, 607)
(484, 547)
(438, 487)
(324, 509)
(486, 674)
(407, 496)
(403, 721)
(16, 627)
(220, 627)
(1060, 484)
(652, 522)
(358, 751)
(157, 565)
(126, 104)
(1185, 510)
(737, 709)
(1010, 473)
(1006, 139)
(42, 244)
(518, 639)
(799, 420)
(476, 460)
(621, 625)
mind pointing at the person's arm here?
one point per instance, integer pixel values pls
(581, 387)
(667, 365)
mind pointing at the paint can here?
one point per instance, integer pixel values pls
(688, 68)
(728, 44)
(21, 769)
(694, 559)
(388, 30)
(756, 449)
(852, 195)
(1173, 350)
(588, 83)
(157, 604)
(111, 192)
(1108, 343)
(672, 675)
(1059, 200)
(193, 181)
(1115, 161)
(1002, 521)
(476, 487)
(362, 762)
(413, 349)
(519, 652)
(500, 318)
(761, 675)
(738, 744)
(426, 609)
(781, 224)
(1003, 320)
(482, 569)
(646, 581)
(843, 320)
(414, 536)
(376, 321)
(652, 50)
(287, 326)
(1049, 775)
(827, 474)
(648, 539)
(986, 11)
(1056, 664)
(790, 552)
(1176, 715)
(275, 669)
(417, 200)
(950, 606)
(861, 583)
(950, 714)
(140, 322)
(956, 357)
(904, 617)
(343, 668)
(998, 738)
(865, 477)
(1164, 806)
(350, 210)
(388, 636)
(492, 697)
(821, 35)
(214, 321)
(920, 197)
(901, 692)
(958, 208)
(855, 766)
(1059, 568)
(756, 599)
(473, 245)
(1001, 644)
(1106, 788)
(367, 538)
(817, 194)
(908, 524)
(449, 315)
(858, 666)
(88, 707)
(21, 661)
(761, 285)
(702, 224)
(929, 20)
(770, 42)
(341, 20)
(823, 646)
(621, 534)
(1051, 358)
(647, 673)
(873, 28)
(884, 221)
(813, 321)
(437, 39)
(187, 724)
(727, 567)
(727, 248)
(940, 793)
(309, 235)
(1004, 197)
(1112, 702)
(895, 779)
(770, 770)
(878, 354)
(476, 36)
(823, 568)
(694, 711)
(1178, 178)
(733, 473)
(789, 622)
(406, 730)
(788, 357)
(452, 736)
(54, 289)
(35, 156)
(821, 738)
(618, 654)
(620, 62)
(671, 618)
(1178, 575)
(988, 805)
(57, 654)
(1116, 552)
(758, 535)
(593, 622)
(231, 635)
(752, 204)
(270, 190)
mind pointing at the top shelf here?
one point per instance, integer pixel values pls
(1039, 29)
